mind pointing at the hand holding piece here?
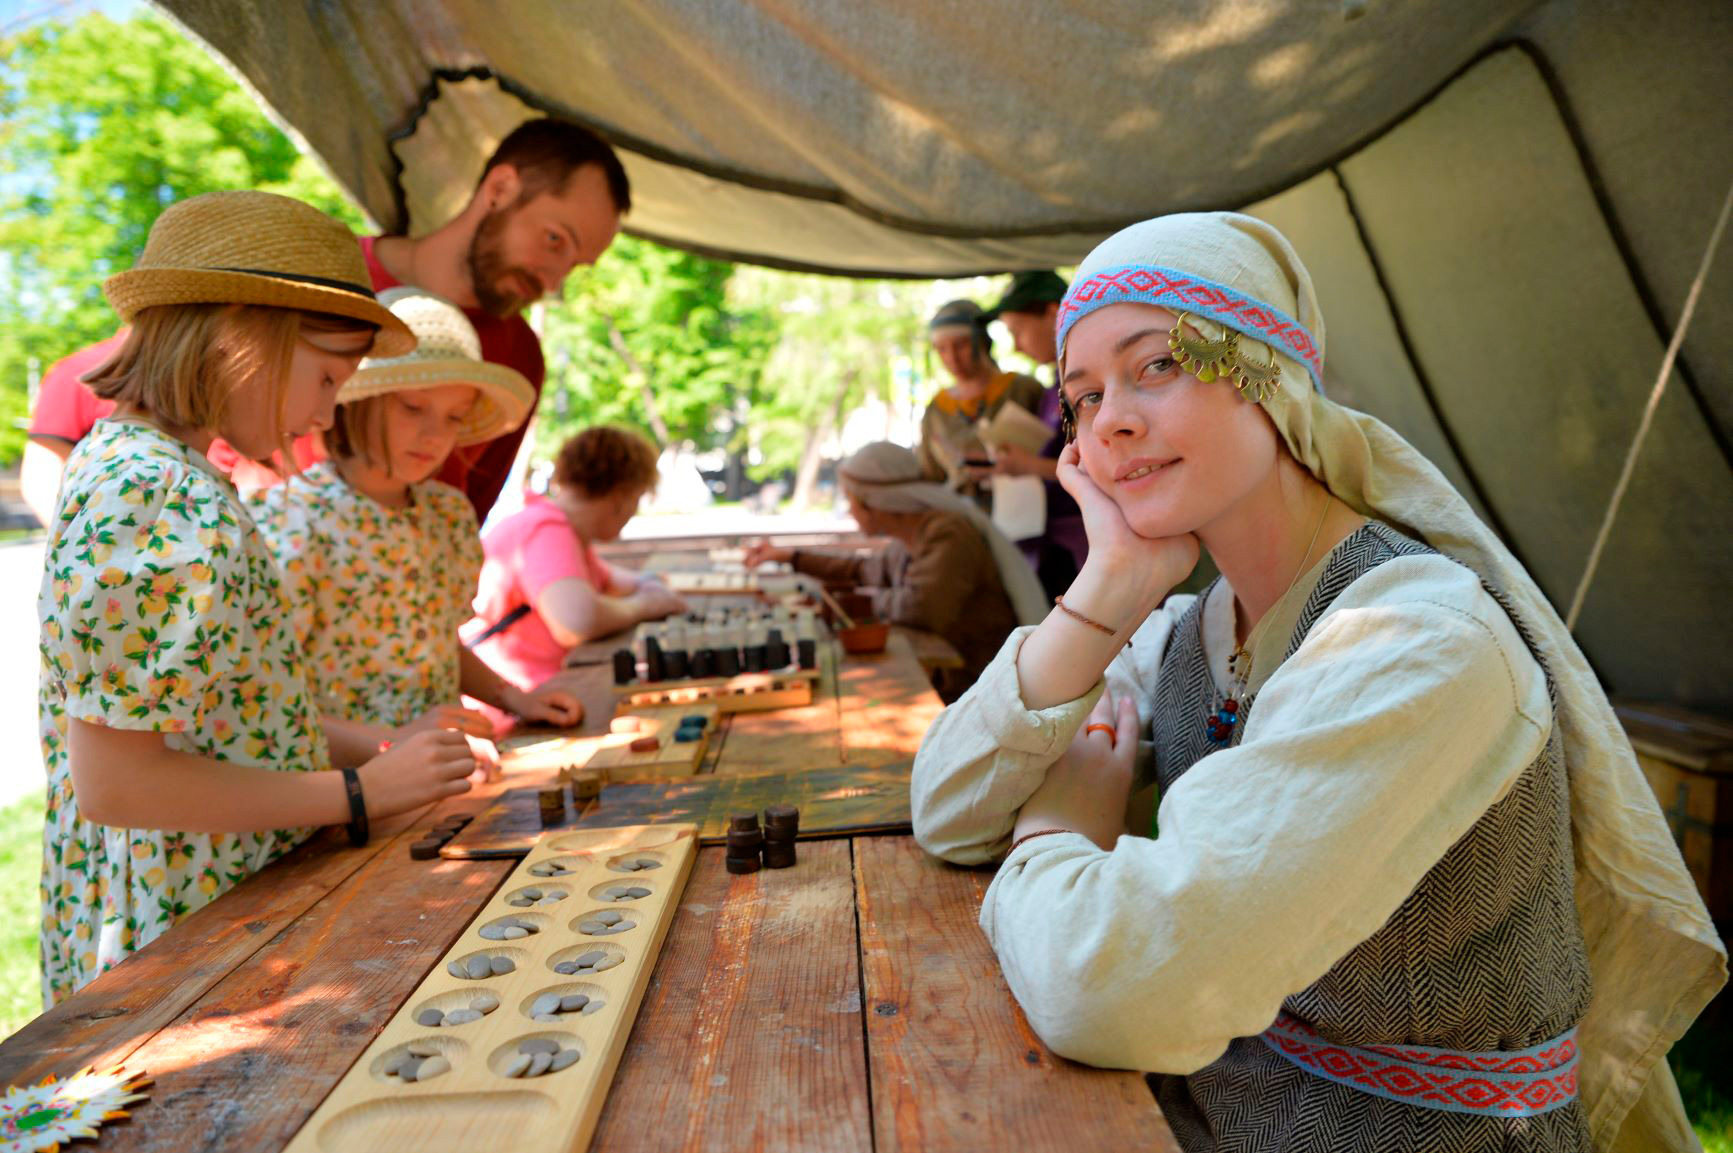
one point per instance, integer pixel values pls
(457, 717)
(1087, 788)
(543, 705)
(766, 553)
(425, 767)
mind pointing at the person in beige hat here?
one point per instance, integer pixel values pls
(381, 560)
(179, 733)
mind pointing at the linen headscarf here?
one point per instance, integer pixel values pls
(1652, 949)
(887, 477)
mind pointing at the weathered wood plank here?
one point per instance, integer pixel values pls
(953, 1061)
(806, 737)
(245, 1066)
(886, 705)
(750, 1035)
(104, 1022)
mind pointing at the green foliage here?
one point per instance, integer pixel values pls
(102, 125)
(20, 911)
(648, 338)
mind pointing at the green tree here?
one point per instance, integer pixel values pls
(102, 125)
(648, 337)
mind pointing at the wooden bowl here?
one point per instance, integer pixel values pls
(865, 637)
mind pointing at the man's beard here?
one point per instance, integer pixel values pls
(493, 278)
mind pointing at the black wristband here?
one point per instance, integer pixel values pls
(357, 808)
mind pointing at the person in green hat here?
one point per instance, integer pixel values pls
(1028, 310)
(951, 451)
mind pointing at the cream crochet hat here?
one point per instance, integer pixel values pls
(448, 351)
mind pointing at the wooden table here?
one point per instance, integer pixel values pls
(850, 1003)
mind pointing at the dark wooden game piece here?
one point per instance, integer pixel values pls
(625, 667)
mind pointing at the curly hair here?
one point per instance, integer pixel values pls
(605, 459)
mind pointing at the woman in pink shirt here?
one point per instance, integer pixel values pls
(543, 589)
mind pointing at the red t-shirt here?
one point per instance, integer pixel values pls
(66, 409)
(480, 470)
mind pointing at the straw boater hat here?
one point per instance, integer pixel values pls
(447, 352)
(254, 248)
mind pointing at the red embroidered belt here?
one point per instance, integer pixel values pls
(1523, 1083)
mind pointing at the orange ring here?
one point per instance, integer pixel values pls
(1112, 735)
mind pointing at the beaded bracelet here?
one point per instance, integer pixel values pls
(1031, 836)
(1091, 622)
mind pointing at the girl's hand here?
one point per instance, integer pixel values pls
(447, 717)
(1144, 569)
(1087, 788)
(653, 602)
(424, 767)
(543, 705)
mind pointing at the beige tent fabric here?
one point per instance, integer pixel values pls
(1654, 954)
(1498, 234)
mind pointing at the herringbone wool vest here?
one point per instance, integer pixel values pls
(1485, 954)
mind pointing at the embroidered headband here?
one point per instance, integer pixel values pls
(1182, 292)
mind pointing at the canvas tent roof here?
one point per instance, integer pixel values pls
(1503, 202)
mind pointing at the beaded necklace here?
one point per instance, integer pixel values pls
(1220, 721)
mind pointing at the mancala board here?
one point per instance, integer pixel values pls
(833, 802)
(746, 693)
(431, 1085)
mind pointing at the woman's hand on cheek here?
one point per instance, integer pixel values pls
(1116, 547)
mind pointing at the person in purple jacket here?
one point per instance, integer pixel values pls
(1028, 309)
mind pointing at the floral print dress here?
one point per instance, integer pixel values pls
(161, 610)
(378, 593)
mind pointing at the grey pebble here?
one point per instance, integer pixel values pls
(423, 1049)
(521, 902)
(533, 893)
(484, 1002)
(539, 1064)
(516, 1066)
(430, 1018)
(637, 891)
(647, 863)
(477, 966)
(432, 1067)
(394, 1064)
(493, 932)
(592, 1007)
(605, 964)
(501, 965)
(610, 917)
(592, 927)
(565, 1058)
(551, 899)
(534, 1045)
(546, 1003)
(547, 1019)
(407, 1070)
(463, 1016)
(585, 960)
(572, 1002)
(514, 932)
(566, 968)
(456, 969)
(621, 927)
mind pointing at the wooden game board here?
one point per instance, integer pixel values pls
(745, 693)
(670, 758)
(474, 1106)
(833, 802)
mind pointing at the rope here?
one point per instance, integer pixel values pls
(1643, 426)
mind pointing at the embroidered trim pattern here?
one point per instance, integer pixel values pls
(1522, 1083)
(1181, 292)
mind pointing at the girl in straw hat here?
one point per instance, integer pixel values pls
(381, 560)
(1408, 889)
(182, 747)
